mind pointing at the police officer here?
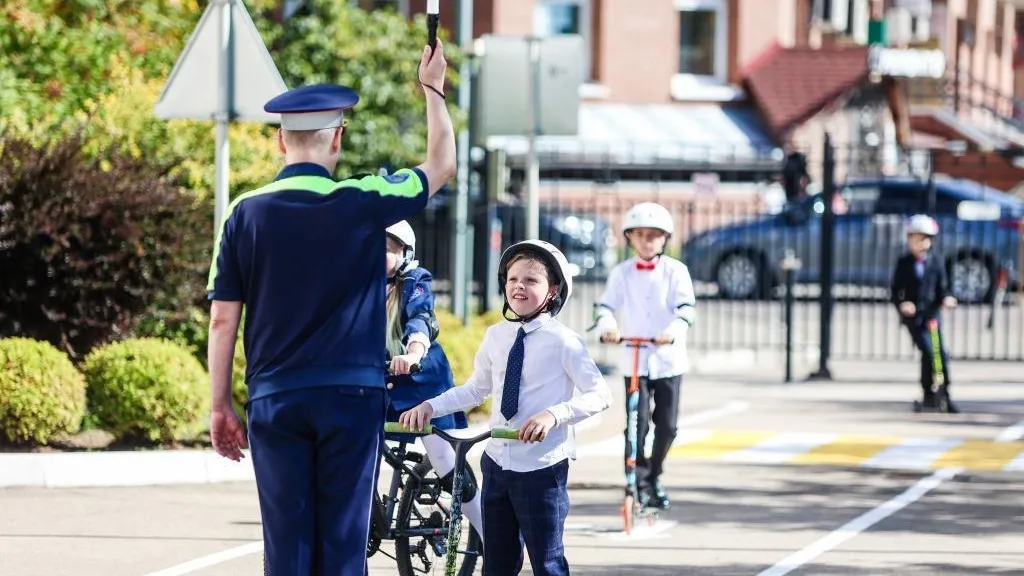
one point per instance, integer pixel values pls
(305, 256)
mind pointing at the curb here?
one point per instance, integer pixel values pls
(152, 468)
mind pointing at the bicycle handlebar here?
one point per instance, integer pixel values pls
(501, 433)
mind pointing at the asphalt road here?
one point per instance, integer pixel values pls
(767, 479)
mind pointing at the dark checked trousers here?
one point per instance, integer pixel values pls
(524, 509)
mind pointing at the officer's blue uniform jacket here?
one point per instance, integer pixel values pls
(417, 315)
(310, 306)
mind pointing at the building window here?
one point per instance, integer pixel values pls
(702, 37)
(697, 42)
(552, 17)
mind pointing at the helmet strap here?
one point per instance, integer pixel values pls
(505, 309)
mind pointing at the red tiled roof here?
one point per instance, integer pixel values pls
(790, 85)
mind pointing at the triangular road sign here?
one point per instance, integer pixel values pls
(194, 89)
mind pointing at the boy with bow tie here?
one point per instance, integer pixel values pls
(654, 293)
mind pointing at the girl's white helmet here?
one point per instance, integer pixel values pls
(922, 224)
(402, 233)
(555, 260)
(649, 215)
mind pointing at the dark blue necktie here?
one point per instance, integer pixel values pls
(513, 375)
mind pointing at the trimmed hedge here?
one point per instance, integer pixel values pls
(146, 388)
(42, 395)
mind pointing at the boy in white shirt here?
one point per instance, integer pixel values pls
(654, 293)
(532, 364)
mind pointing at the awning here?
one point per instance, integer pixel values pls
(654, 135)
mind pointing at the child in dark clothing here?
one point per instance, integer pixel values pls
(920, 289)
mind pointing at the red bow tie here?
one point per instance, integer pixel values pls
(648, 265)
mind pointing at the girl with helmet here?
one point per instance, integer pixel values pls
(653, 294)
(532, 365)
(920, 289)
(412, 332)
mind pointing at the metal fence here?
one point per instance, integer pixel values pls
(734, 226)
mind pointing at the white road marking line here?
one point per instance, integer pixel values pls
(860, 523)
(210, 560)
(1011, 433)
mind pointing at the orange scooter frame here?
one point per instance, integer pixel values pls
(631, 507)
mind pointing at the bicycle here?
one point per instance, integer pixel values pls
(462, 446)
(413, 515)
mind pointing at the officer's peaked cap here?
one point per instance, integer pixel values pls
(315, 107)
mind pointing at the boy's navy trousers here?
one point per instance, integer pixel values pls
(524, 509)
(315, 452)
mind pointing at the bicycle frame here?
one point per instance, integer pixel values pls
(462, 447)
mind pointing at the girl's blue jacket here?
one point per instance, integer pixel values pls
(417, 315)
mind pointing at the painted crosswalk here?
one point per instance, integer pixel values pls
(860, 450)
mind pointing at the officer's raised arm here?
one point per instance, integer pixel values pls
(439, 167)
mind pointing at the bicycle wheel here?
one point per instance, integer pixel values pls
(421, 507)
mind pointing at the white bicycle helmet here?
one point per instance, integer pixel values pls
(553, 257)
(922, 224)
(649, 215)
(403, 233)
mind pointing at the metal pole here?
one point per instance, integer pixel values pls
(461, 247)
(826, 299)
(223, 146)
(533, 162)
(790, 265)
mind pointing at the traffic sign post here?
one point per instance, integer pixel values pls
(225, 51)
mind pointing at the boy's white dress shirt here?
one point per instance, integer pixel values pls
(556, 364)
(650, 302)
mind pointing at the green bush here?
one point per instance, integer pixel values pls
(190, 329)
(146, 388)
(89, 245)
(42, 395)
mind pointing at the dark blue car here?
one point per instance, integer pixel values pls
(980, 234)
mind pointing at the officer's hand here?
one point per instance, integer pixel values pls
(418, 417)
(949, 302)
(908, 309)
(433, 67)
(664, 338)
(611, 336)
(403, 364)
(227, 433)
(536, 429)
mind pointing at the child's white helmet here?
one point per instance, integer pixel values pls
(403, 233)
(922, 224)
(649, 215)
(555, 260)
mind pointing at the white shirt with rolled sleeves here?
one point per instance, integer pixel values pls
(555, 366)
(650, 302)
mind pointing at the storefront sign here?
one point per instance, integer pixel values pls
(907, 63)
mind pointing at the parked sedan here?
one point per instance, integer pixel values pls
(980, 233)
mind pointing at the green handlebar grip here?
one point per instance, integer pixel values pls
(396, 428)
(505, 433)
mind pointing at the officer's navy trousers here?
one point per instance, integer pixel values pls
(315, 451)
(524, 509)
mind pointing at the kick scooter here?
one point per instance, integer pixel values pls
(631, 506)
(462, 446)
(939, 391)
